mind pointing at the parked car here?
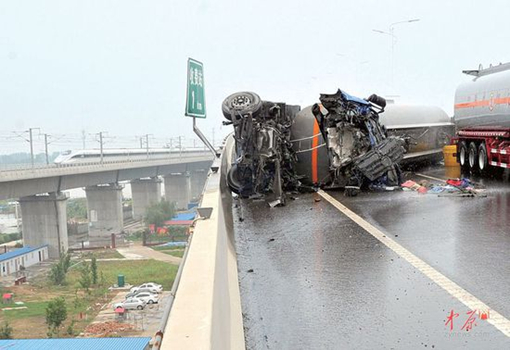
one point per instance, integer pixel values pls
(148, 287)
(135, 293)
(148, 298)
(130, 304)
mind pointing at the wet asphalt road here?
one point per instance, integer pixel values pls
(311, 278)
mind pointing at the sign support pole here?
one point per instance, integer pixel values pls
(203, 138)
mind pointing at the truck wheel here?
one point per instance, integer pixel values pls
(473, 156)
(463, 154)
(483, 160)
(233, 180)
(243, 103)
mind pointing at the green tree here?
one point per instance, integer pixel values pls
(70, 328)
(76, 208)
(85, 278)
(6, 331)
(66, 261)
(102, 280)
(57, 275)
(56, 314)
(93, 268)
(158, 213)
(59, 269)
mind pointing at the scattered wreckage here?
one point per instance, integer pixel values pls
(450, 188)
(337, 143)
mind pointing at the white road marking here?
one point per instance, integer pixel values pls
(468, 299)
(431, 177)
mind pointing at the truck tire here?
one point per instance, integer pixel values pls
(473, 156)
(463, 154)
(244, 102)
(233, 181)
(483, 159)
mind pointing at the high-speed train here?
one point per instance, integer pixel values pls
(122, 154)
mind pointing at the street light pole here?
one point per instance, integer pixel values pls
(101, 145)
(147, 144)
(31, 140)
(391, 32)
(46, 148)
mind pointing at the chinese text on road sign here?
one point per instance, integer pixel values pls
(195, 96)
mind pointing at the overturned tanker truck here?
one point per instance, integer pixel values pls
(337, 143)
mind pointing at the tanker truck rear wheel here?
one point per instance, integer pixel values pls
(473, 156)
(483, 160)
(463, 154)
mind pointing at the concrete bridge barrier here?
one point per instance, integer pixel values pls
(206, 313)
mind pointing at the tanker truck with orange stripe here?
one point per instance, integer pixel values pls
(336, 143)
(482, 119)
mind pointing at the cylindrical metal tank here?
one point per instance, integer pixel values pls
(410, 116)
(484, 100)
(427, 128)
(310, 147)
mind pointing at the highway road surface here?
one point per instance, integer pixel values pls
(385, 270)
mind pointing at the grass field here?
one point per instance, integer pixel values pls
(167, 248)
(102, 254)
(175, 252)
(30, 322)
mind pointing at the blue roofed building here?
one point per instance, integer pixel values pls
(77, 344)
(12, 261)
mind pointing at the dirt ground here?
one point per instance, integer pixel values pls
(145, 322)
(30, 322)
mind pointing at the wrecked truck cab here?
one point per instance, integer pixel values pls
(263, 164)
(354, 143)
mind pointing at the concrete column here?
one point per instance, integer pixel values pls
(197, 181)
(177, 189)
(144, 192)
(104, 203)
(44, 219)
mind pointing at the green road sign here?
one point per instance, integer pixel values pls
(195, 95)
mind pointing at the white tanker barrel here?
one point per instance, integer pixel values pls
(408, 116)
(310, 148)
(484, 100)
(427, 127)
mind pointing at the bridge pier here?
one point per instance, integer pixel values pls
(197, 182)
(145, 192)
(104, 203)
(45, 222)
(177, 189)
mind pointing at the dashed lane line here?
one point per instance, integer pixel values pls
(496, 319)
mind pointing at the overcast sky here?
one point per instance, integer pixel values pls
(120, 66)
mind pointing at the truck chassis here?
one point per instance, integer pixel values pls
(480, 148)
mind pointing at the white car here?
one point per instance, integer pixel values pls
(135, 293)
(148, 298)
(148, 287)
(130, 304)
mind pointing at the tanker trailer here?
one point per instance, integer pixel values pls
(482, 119)
(426, 129)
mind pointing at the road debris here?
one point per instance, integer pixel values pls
(450, 188)
(103, 329)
